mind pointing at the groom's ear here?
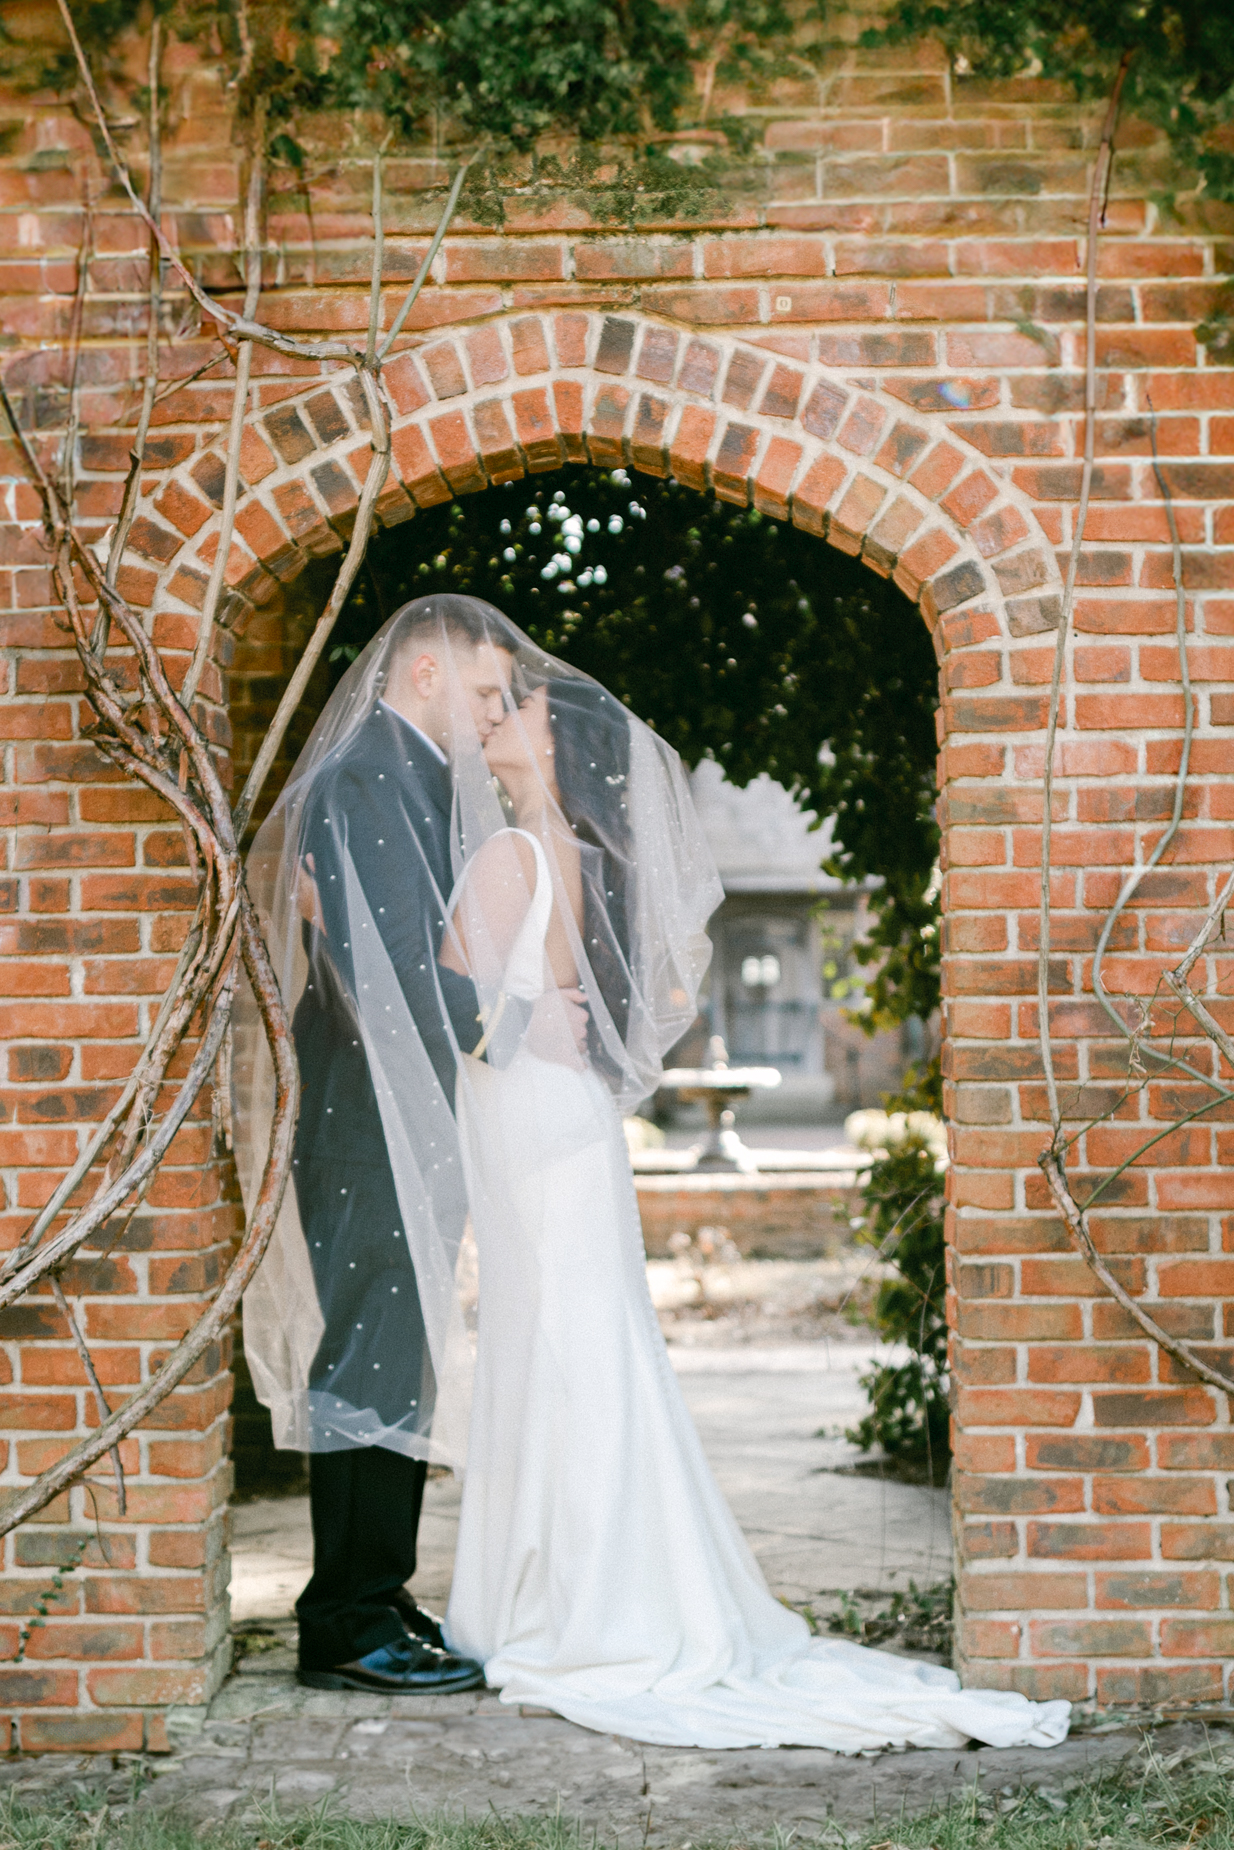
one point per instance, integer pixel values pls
(422, 671)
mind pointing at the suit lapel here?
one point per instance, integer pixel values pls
(425, 789)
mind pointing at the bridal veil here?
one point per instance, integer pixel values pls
(361, 875)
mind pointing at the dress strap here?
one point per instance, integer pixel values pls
(524, 975)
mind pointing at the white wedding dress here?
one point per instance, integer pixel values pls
(599, 1572)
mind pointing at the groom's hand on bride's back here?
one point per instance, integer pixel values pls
(557, 1029)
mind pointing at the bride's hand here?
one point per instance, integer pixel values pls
(308, 899)
(557, 1030)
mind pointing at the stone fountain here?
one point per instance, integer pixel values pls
(718, 1086)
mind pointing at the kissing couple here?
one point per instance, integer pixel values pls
(486, 890)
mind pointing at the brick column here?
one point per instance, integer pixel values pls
(96, 913)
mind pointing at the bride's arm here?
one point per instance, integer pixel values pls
(489, 908)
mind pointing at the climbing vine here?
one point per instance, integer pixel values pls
(496, 74)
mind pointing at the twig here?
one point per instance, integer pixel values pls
(239, 408)
(100, 1399)
(1052, 1160)
(1105, 155)
(68, 464)
(374, 482)
(396, 327)
(132, 485)
(177, 385)
(247, 47)
(1076, 1220)
(1180, 782)
(379, 251)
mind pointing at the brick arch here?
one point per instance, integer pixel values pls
(837, 456)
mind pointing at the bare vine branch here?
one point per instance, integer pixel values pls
(100, 1399)
(151, 734)
(1053, 1160)
(132, 485)
(252, 264)
(1074, 1215)
(1101, 171)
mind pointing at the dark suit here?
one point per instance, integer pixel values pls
(388, 797)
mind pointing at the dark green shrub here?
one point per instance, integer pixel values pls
(909, 1417)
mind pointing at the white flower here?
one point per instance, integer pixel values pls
(878, 1132)
(615, 523)
(509, 553)
(599, 574)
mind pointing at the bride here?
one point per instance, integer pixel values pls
(599, 1571)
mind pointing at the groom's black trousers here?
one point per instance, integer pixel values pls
(366, 1507)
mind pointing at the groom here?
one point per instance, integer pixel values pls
(359, 1628)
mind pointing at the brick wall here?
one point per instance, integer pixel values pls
(879, 338)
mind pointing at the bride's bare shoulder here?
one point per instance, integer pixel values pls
(507, 856)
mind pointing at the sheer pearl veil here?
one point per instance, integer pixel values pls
(363, 874)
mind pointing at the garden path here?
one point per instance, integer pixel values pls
(817, 1529)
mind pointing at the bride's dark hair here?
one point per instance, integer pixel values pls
(591, 752)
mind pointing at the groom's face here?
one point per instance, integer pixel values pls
(453, 686)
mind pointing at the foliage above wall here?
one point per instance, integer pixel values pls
(738, 638)
(499, 72)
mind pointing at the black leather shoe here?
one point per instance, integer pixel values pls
(419, 1623)
(406, 1667)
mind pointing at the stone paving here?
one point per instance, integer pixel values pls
(772, 1419)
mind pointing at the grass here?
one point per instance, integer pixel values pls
(918, 1620)
(1180, 1801)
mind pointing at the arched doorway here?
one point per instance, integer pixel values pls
(751, 648)
(798, 441)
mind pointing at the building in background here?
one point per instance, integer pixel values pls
(781, 974)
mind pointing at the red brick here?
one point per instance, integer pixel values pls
(1005, 1592)
(81, 1734)
(570, 339)
(742, 255)
(1090, 1541)
(691, 441)
(1091, 1638)
(486, 356)
(417, 467)
(530, 346)
(405, 383)
(504, 261)
(774, 478)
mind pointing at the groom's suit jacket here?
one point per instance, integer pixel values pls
(389, 795)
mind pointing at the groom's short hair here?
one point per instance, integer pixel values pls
(461, 619)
